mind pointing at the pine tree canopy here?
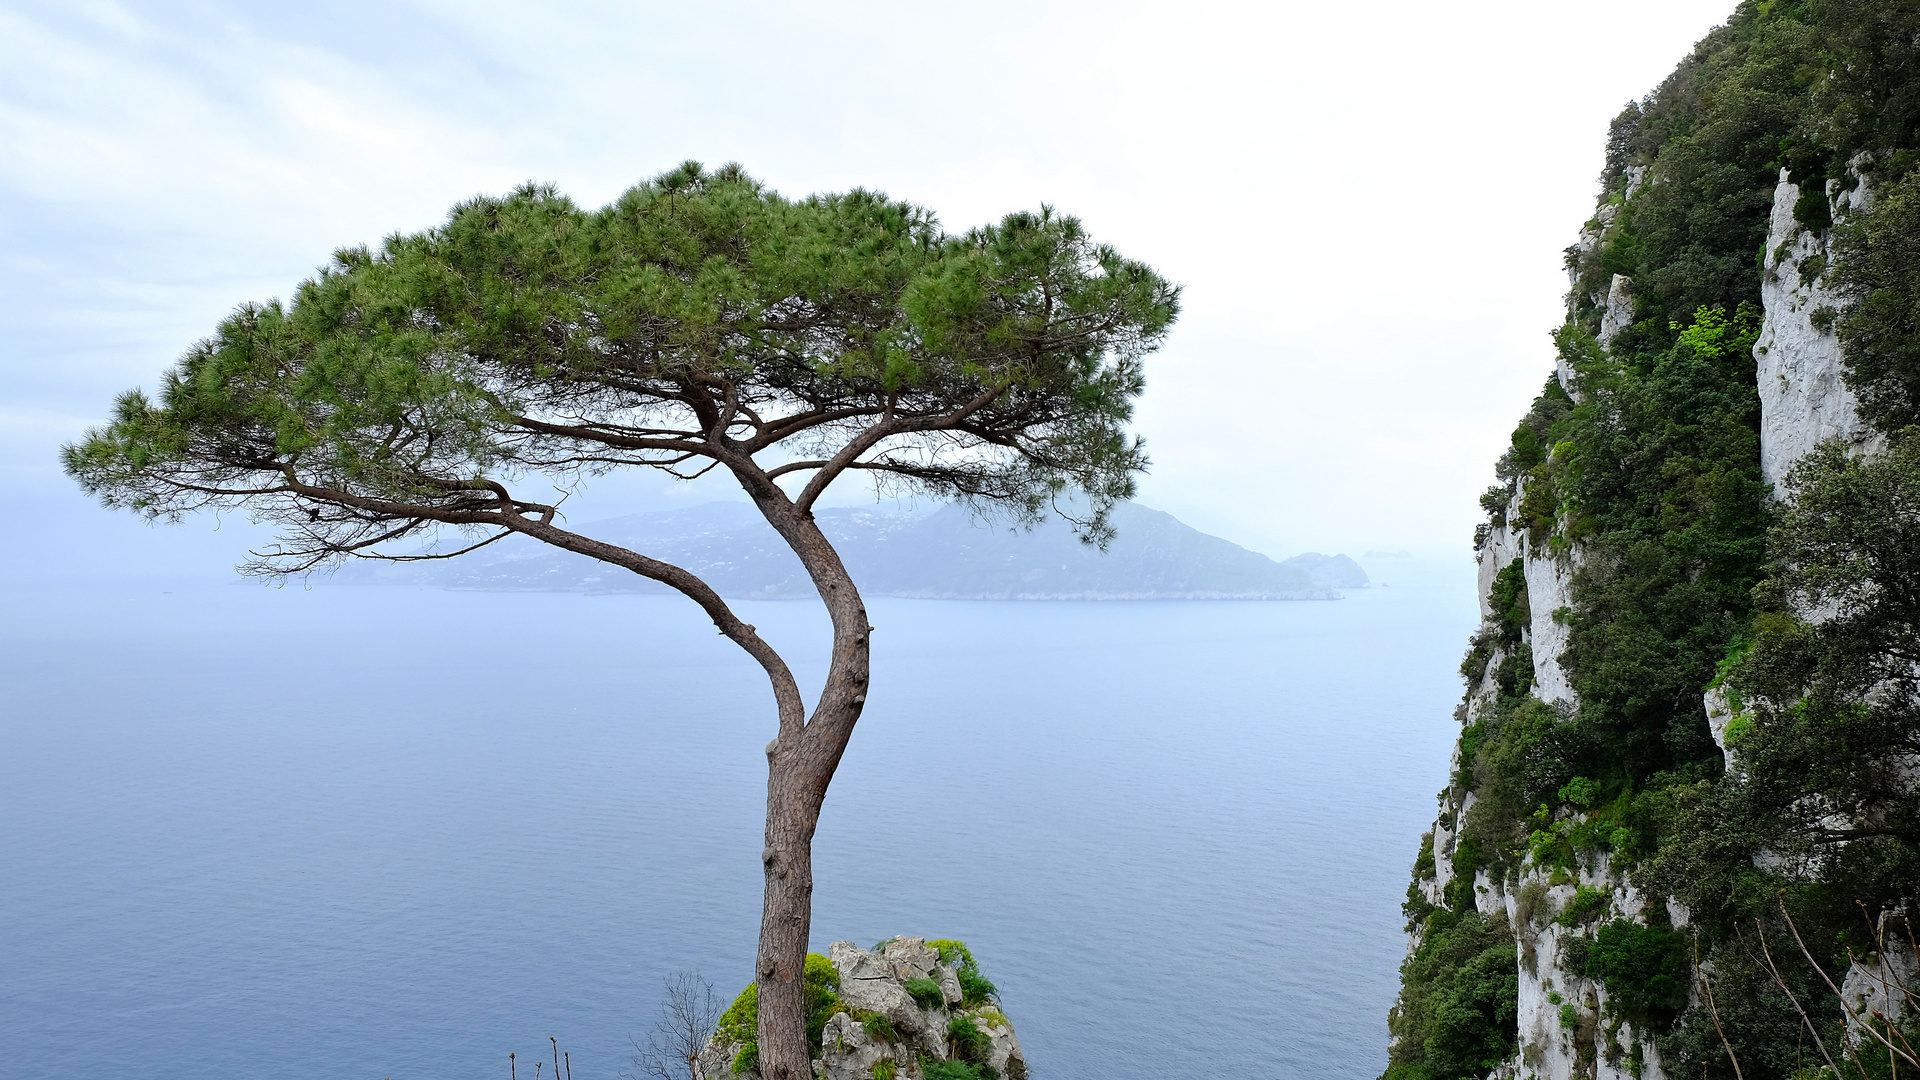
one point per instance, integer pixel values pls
(700, 321)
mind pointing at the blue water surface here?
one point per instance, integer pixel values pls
(354, 832)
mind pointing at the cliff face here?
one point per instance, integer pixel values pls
(1804, 399)
(1611, 888)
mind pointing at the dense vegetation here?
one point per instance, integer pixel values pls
(1457, 1016)
(1691, 574)
(740, 1024)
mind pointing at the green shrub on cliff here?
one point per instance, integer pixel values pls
(1670, 497)
(975, 988)
(1508, 597)
(741, 1022)
(1826, 705)
(1457, 1016)
(955, 1070)
(926, 992)
(1644, 968)
(967, 1042)
(1877, 269)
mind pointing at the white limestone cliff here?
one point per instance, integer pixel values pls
(1875, 983)
(1564, 1029)
(1618, 312)
(1549, 576)
(1804, 399)
(1550, 599)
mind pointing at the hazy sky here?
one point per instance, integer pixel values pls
(1366, 203)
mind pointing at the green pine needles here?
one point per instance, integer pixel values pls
(405, 386)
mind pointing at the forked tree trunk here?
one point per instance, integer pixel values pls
(800, 760)
(800, 765)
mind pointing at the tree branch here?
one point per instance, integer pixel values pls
(886, 428)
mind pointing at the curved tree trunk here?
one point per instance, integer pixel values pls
(800, 765)
(800, 760)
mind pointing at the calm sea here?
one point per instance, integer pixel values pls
(351, 832)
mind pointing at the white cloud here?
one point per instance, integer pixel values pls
(1366, 203)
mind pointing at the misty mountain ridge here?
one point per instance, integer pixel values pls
(943, 554)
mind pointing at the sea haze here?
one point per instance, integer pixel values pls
(941, 553)
(399, 832)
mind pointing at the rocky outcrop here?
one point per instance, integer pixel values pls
(1804, 399)
(716, 1061)
(876, 983)
(1565, 1027)
(1549, 577)
(898, 1006)
(1875, 983)
(1550, 597)
(1720, 717)
(1616, 304)
(1617, 314)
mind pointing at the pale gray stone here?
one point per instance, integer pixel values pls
(1005, 1057)
(1636, 179)
(849, 1053)
(1548, 1049)
(949, 980)
(1804, 398)
(1489, 894)
(1619, 313)
(873, 983)
(716, 1063)
(912, 958)
(1876, 981)
(1720, 714)
(1549, 590)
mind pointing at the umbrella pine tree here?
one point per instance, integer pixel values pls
(700, 322)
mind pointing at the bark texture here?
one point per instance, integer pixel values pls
(800, 764)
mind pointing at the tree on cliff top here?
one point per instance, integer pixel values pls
(700, 322)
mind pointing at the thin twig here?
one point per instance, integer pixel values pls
(1804, 951)
(1760, 933)
(1908, 923)
(1887, 985)
(1897, 1033)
